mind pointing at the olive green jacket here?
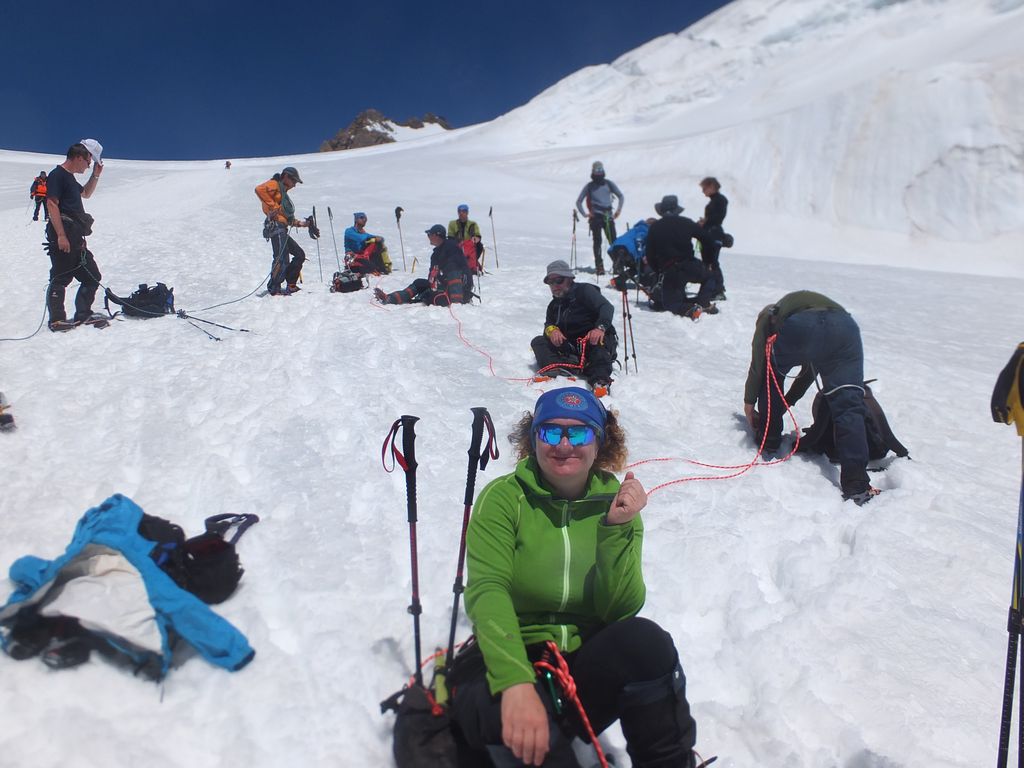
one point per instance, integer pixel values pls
(543, 568)
(769, 321)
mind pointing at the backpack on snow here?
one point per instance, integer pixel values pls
(155, 301)
(206, 565)
(347, 281)
(820, 436)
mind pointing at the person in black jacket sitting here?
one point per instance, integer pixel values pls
(578, 328)
(449, 281)
(670, 254)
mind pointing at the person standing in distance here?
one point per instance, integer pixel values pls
(598, 194)
(711, 222)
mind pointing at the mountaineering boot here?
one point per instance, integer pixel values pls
(96, 320)
(693, 312)
(6, 420)
(62, 325)
(709, 309)
(601, 387)
(862, 498)
(380, 296)
(293, 288)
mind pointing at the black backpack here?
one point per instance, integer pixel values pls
(206, 565)
(347, 281)
(820, 436)
(147, 301)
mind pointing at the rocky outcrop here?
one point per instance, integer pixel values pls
(371, 128)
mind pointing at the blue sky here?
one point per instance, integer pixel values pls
(199, 79)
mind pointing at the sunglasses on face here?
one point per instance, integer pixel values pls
(557, 280)
(577, 434)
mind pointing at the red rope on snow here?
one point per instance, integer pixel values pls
(770, 380)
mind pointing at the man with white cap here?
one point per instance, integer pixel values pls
(579, 335)
(69, 225)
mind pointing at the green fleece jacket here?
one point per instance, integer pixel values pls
(543, 568)
(768, 321)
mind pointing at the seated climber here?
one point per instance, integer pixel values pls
(578, 333)
(449, 280)
(365, 254)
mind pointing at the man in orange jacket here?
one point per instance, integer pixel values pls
(38, 193)
(280, 212)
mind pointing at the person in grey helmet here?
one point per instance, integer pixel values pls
(599, 194)
(280, 212)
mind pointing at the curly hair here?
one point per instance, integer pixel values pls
(611, 456)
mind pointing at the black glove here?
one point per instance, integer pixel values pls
(1014, 370)
(314, 231)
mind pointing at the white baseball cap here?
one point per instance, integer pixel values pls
(95, 149)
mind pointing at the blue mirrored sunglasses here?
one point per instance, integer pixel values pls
(577, 434)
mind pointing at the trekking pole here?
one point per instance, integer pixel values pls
(625, 334)
(632, 337)
(398, 220)
(494, 238)
(1008, 408)
(572, 247)
(406, 459)
(317, 239)
(337, 258)
(481, 419)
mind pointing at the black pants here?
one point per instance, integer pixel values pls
(673, 286)
(283, 269)
(41, 201)
(829, 341)
(709, 253)
(629, 671)
(419, 290)
(597, 363)
(79, 264)
(601, 223)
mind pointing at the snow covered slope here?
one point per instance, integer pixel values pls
(813, 633)
(899, 117)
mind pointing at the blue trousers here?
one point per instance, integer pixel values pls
(829, 342)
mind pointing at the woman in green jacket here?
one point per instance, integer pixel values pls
(554, 554)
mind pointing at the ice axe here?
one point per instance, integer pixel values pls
(401, 241)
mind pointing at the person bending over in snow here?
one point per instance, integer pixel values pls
(365, 254)
(280, 214)
(578, 328)
(449, 278)
(526, 595)
(816, 333)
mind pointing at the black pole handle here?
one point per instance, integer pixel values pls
(409, 451)
(475, 457)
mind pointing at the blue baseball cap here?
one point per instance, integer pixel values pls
(437, 231)
(463, 207)
(571, 403)
(358, 215)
